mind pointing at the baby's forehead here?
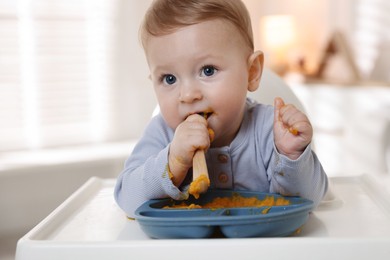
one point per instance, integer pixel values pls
(226, 29)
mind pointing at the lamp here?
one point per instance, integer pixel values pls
(278, 35)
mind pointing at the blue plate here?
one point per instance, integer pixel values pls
(158, 222)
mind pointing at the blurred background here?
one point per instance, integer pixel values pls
(75, 94)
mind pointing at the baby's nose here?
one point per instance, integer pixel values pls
(190, 92)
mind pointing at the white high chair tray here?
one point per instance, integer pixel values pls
(355, 224)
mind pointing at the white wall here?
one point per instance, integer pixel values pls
(315, 21)
(365, 24)
(135, 95)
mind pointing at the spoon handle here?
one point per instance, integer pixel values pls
(199, 165)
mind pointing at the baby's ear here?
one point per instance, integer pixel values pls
(255, 63)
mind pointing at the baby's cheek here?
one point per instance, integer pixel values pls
(171, 120)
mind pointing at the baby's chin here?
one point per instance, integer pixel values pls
(172, 123)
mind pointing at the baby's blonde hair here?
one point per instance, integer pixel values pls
(166, 16)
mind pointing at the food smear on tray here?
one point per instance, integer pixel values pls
(235, 201)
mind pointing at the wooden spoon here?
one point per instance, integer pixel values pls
(200, 180)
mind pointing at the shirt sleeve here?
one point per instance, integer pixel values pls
(303, 177)
(146, 173)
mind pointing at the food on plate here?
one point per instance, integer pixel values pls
(235, 201)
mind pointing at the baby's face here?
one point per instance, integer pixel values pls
(201, 68)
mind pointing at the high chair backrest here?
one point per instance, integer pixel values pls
(271, 86)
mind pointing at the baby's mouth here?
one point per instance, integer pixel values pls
(205, 114)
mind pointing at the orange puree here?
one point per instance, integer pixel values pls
(293, 130)
(237, 201)
(198, 185)
(211, 134)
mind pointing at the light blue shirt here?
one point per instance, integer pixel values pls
(251, 162)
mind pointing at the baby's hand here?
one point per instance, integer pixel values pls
(292, 129)
(190, 135)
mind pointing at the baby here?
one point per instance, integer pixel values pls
(202, 64)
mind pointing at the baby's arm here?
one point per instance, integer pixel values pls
(190, 135)
(292, 130)
(147, 173)
(294, 168)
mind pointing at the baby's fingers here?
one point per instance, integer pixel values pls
(285, 116)
(278, 104)
(195, 118)
(291, 118)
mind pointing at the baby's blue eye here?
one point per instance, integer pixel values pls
(169, 79)
(208, 71)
